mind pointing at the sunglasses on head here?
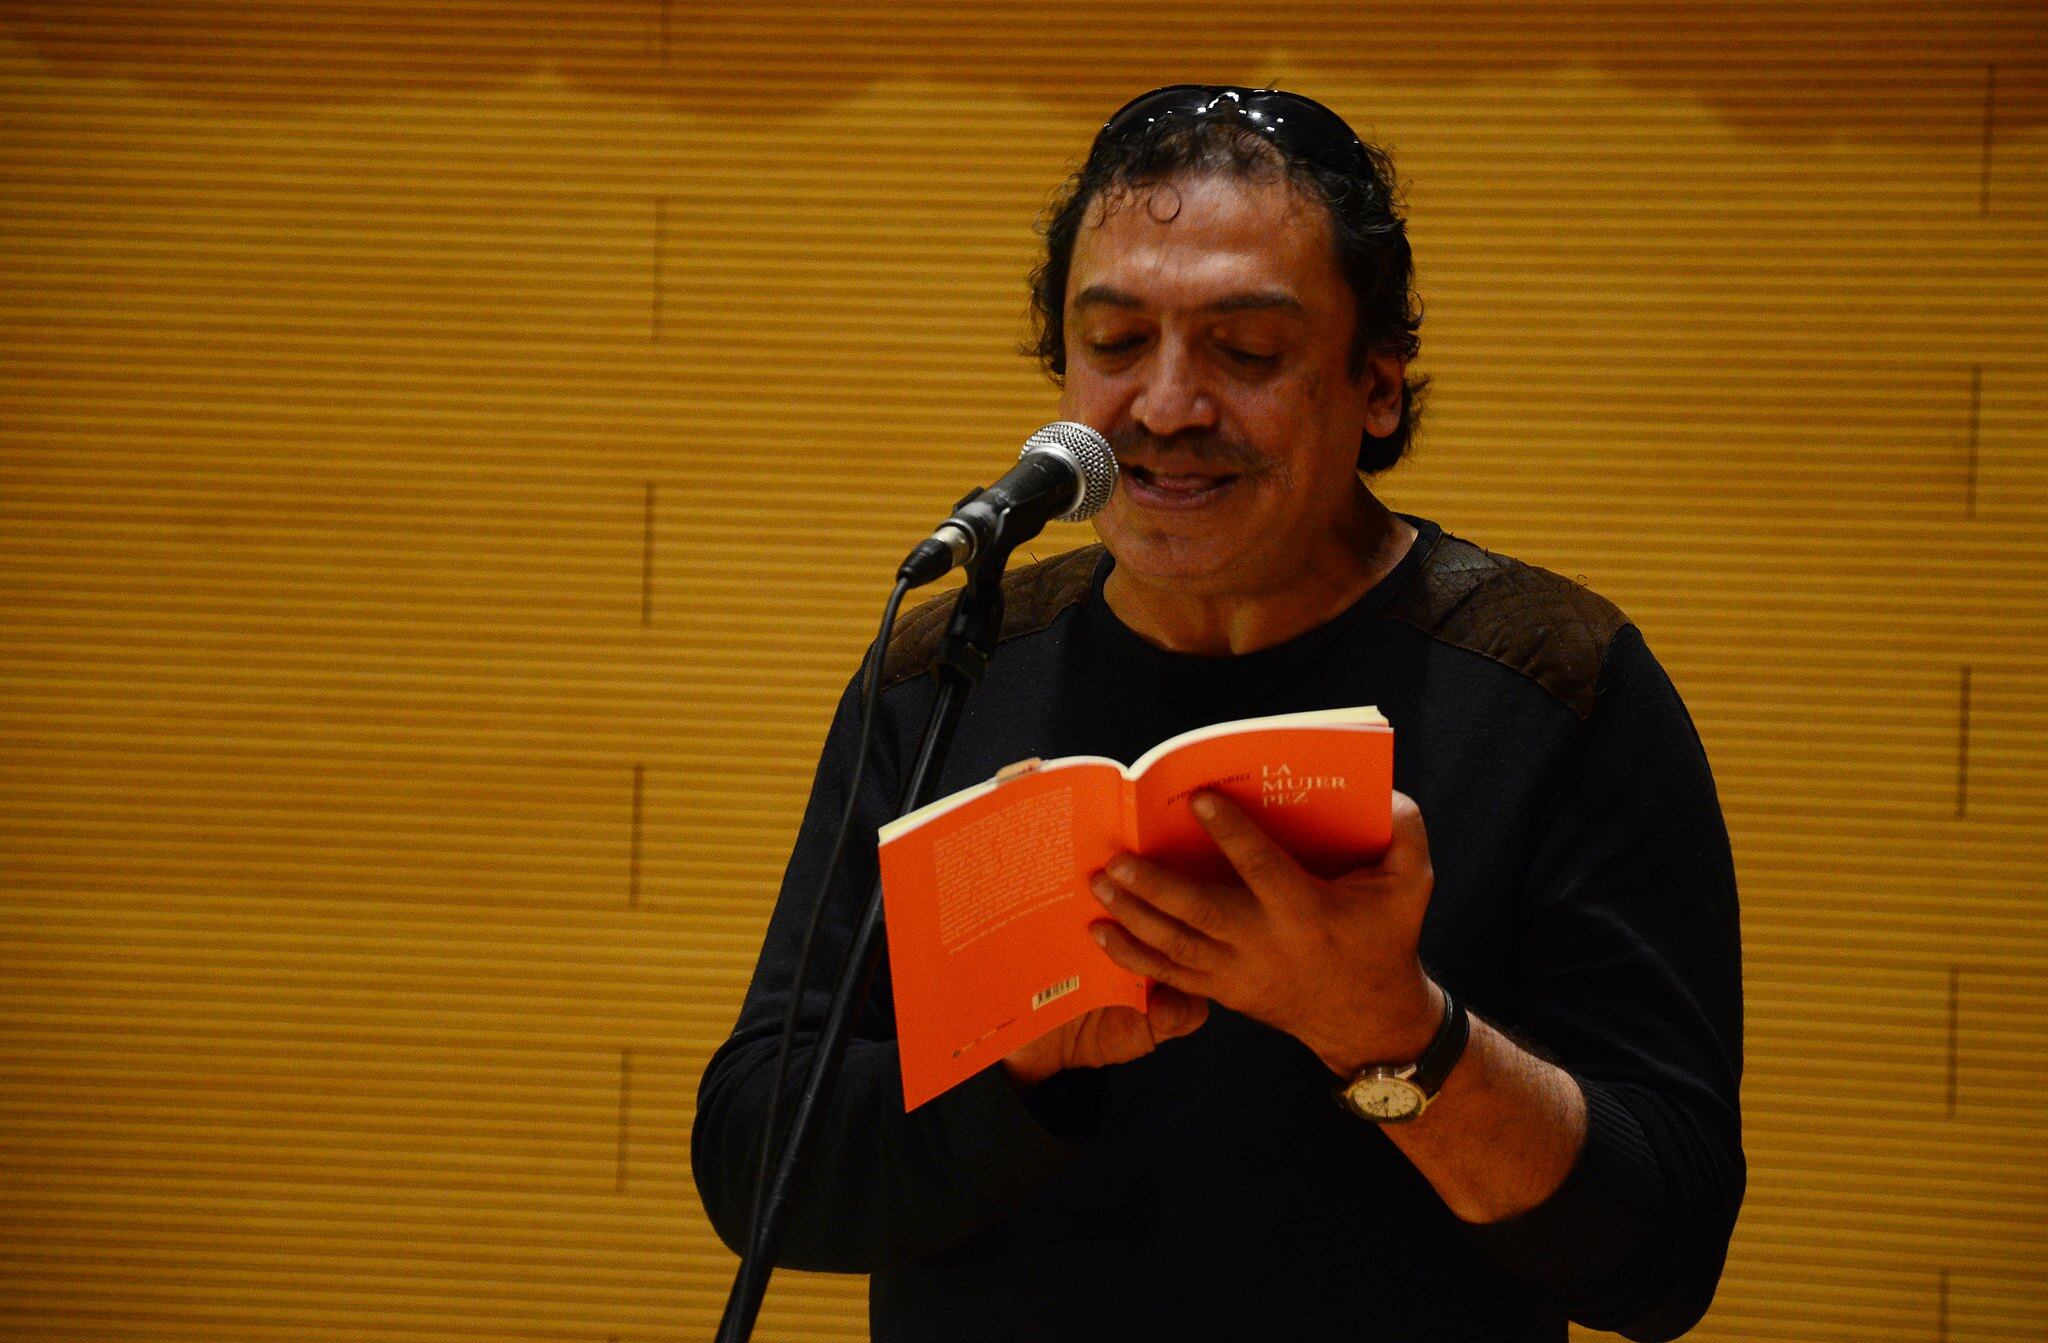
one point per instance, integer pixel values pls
(1302, 127)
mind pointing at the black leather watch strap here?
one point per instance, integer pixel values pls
(1445, 1048)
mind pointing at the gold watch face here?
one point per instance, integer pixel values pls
(1385, 1097)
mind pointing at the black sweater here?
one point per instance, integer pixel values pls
(1584, 903)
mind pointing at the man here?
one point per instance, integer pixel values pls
(1531, 1009)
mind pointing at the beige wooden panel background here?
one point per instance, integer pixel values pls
(426, 567)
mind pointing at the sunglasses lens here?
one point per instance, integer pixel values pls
(1301, 126)
(1149, 107)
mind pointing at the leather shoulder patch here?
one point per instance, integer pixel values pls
(1032, 596)
(1530, 620)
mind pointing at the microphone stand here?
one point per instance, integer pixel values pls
(963, 654)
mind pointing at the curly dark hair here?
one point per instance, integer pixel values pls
(1366, 226)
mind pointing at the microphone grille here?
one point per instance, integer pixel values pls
(1089, 451)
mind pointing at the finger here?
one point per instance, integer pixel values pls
(1266, 867)
(1140, 959)
(1409, 850)
(1407, 847)
(1162, 932)
(1204, 907)
(1173, 1014)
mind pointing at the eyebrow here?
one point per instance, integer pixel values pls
(1257, 300)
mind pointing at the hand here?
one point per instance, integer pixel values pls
(1332, 963)
(1107, 1035)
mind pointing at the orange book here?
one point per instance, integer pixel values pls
(986, 891)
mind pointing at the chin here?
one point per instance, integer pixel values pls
(1190, 562)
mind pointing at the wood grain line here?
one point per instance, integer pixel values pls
(625, 1099)
(1955, 1001)
(1990, 104)
(1941, 1309)
(660, 254)
(647, 557)
(1976, 418)
(633, 861)
(1963, 748)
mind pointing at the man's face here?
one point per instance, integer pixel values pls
(1208, 334)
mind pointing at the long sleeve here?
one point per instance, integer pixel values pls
(1631, 980)
(880, 1188)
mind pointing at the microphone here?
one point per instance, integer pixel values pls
(1066, 471)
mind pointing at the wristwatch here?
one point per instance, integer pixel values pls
(1388, 1093)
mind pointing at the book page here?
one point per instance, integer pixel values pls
(988, 911)
(1362, 715)
(998, 867)
(967, 796)
(1322, 792)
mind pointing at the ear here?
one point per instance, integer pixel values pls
(1383, 377)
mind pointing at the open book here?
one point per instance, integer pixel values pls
(986, 891)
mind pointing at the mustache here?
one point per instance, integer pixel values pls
(1228, 455)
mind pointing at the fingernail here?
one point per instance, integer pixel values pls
(1100, 934)
(1123, 869)
(1204, 806)
(1102, 890)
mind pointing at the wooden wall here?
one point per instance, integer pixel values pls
(426, 568)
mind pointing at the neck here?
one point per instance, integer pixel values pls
(1317, 586)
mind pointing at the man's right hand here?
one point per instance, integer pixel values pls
(1108, 1035)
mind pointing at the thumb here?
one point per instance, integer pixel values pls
(1410, 847)
(1171, 1013)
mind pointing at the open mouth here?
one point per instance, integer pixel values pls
(1176, 489)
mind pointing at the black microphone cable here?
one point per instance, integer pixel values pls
(1093, 467)
(871, 698)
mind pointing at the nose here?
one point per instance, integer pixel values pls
(1173, 396)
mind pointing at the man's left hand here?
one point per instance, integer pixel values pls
(1332, 963)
